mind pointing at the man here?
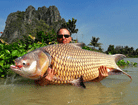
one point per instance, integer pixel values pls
(64, 36)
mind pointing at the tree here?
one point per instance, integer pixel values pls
(94, 42)
(71, 25)
(136, 52)
(119, 49)
(111, 49)
(126, 48)
(100, 49)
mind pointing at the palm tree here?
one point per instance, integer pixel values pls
(94, 42)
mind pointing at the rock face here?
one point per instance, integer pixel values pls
(30, 21)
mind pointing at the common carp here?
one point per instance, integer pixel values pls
(68, 61)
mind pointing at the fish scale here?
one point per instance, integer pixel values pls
(70, 62)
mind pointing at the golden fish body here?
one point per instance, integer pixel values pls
(70, 62)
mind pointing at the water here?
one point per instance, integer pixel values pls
(114, 90)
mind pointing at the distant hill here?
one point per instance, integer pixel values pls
(30, 21)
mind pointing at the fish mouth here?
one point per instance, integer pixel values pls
(13, 67)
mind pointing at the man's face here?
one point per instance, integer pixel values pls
(64, 36)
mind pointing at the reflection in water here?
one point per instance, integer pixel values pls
(113, 90)
(10, 79)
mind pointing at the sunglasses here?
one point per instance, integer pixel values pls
(61, 36)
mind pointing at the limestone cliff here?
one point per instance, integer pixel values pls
(30, 21)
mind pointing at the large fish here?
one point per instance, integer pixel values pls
(69, 62)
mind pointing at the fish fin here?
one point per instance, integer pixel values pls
(78, 82)
(118, 57)
(42, 62)
(78, 45)
(49, 57)
(117, 72)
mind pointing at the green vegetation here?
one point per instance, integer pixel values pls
(127, 63)
(45, 37)
(36, 26)
(128, 51)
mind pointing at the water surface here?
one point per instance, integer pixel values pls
(114, 90)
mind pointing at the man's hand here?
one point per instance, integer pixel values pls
(103, 73)
(46, 80)
(50, 73)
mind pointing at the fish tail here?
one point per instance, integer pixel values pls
(117, 70)
(118, 57)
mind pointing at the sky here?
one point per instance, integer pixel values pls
(115, 22)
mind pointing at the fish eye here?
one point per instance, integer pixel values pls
(24, 63)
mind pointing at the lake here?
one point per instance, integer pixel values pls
(113, 90)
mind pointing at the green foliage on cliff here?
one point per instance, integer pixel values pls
(37, 26)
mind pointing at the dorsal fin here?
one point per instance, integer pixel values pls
(118, 57)
(79, 45)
